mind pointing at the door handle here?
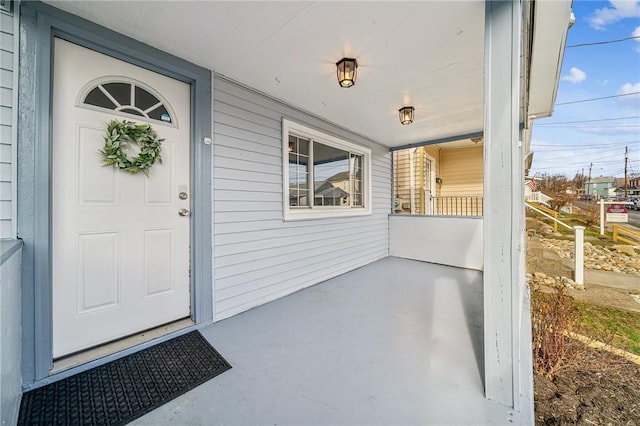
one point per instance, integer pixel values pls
(184, 212)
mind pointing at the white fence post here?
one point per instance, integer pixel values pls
(579, 254)
(601, 202)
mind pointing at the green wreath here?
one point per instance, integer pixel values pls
(122, 133)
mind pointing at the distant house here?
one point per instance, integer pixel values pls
(632, 187)
(599, 187)
(326, 194)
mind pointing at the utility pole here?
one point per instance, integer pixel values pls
(626, 159)
(589, 183)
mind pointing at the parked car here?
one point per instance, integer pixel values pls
(636, 204)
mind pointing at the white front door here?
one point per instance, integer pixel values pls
(120, 250)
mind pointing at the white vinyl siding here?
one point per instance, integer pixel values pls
(258, 257)
(7, 124)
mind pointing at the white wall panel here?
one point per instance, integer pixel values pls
(10, 320)
(452, 241)
(258, 257)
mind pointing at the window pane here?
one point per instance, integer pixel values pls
(331, 176)
(356, 173)
(97, 98)
(160, 114)
(298, 172)
(121, 92)
(144, 99)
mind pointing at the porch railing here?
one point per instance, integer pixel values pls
(626, 235)
(538, 197)
(461, 205)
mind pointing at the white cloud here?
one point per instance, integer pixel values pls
(629, 88)
(619, 10)
(576, 75)
(632, 101)
(636, 33)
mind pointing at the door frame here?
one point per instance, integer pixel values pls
(432, 181)
(40, 24)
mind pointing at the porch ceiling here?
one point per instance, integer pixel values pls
(427, 54)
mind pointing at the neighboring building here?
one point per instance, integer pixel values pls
(439, 179)
(273, 177)
(632, 187)
(600, 187)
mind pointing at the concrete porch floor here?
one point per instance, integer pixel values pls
(395, 342)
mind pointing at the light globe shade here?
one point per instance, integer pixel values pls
(347, 71)
(406, 114)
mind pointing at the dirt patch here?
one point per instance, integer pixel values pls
(600, 389)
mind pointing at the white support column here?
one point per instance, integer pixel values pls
(579, 254)
(503, 198)
(412, 180)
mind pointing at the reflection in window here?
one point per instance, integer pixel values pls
(298, 171)
(128, 98)
(356, 172)
(337, 175)
(330, 176)
(324, 176)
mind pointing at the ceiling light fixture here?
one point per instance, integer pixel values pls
(406, 114)
(347, 70)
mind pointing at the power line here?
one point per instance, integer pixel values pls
(572, 150)
(584, 152)
(587, 121)
(595, 43)
(584, 148)
(601, 126)
(598, 160)
(585, 145)
(597, 99)
(587, 155)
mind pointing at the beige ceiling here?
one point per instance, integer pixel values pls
(428, 54)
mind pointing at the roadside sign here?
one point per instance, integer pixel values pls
(617, 213)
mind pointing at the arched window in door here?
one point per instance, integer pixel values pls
(129, 98)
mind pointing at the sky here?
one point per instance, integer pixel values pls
(595, 132)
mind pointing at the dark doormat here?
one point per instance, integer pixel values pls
(125, 389)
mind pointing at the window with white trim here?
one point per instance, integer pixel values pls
(324, 176)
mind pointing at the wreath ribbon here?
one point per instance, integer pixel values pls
(120, 134)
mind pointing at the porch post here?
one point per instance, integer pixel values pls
(503, 200)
